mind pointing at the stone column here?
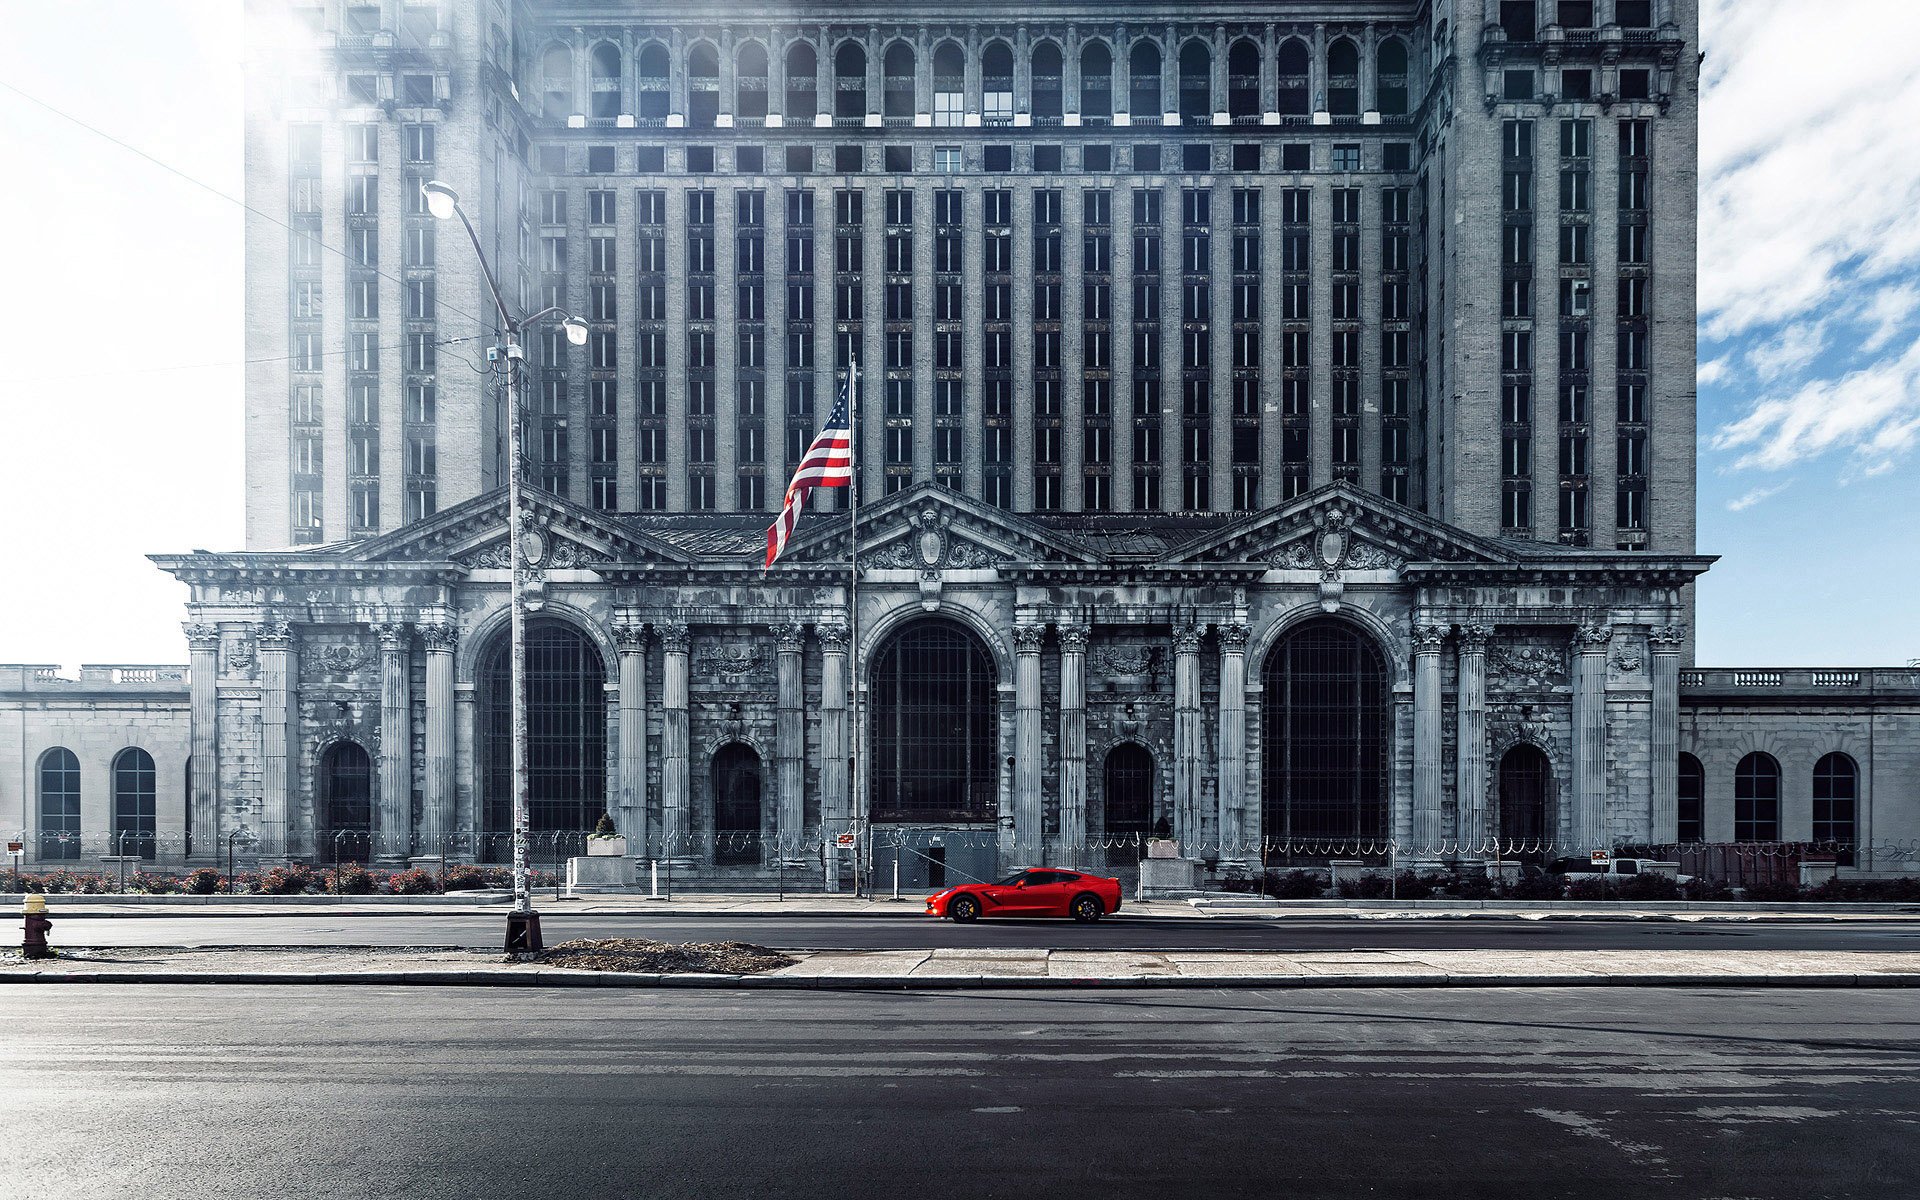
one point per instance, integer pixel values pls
(436, 810)
(1188, 739)
(203, 807)
(834, 765)
(1233, 741)
(276, 806)
(393, 820)
(1589, 809)
(1470, 755)
(1028, 814)
(1073, 742)
(675, 748)
(790, 740)
(630, 642)
(1665, 642)
(1429, 830)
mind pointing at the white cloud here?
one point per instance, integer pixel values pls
(1755, 496)
(1888, 313)
(1789, 352)
(1873, 413)
(1717, 371)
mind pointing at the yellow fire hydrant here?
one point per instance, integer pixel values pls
(38, 923)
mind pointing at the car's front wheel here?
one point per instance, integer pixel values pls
(963, 909)
(1086, 907)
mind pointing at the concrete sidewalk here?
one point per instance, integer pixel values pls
(950, 969)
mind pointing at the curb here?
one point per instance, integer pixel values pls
(608, 979)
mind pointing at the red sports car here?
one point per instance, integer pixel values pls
(1039, 892)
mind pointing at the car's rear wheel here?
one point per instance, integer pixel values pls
(1086, 907)
(963, 909)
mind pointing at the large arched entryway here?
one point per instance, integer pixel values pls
(932, 725)
(566, 737)
(346, 803)
(1323, 722)
(1126, 801)
(1526, 786)
(736, 804)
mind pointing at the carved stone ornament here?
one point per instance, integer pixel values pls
(1427, 639)
(440, 637)
(395, 636)
(630, 639)
(1592, 639)
(1474, 638)
(1233, 638)
(1626, 662)
(1028, 638)
(673, 637)
(202, 638)
(1667, 639)
(732, 662)
(241, 656)
(790, 639)
(1123, 660)
(1073, 638)
(833, 636)
(1524, 667)
(1186, 638)
(341, 659)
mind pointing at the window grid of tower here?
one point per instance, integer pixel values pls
(1632, 334)
(421, 381)
(1576, 330)
(750, 349)
(1147, 422)
(996, 384)
(603, 368)
(363, 329)
(1096, 348)
(1196, 348)
(1296, 340)
(1048, 267)
(702, 331)
(849, 297)
(1396, 342)
(1343, 365)
(1245, 335)
(1516, 327)
(307, 440)
(897, 331)
(552, 446)
(799, 329)
(949, 337)
(650, 350)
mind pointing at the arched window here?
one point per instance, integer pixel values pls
(59, 804)
(897, 69)
(1127, 810)
(1756, 799)
(1196, 83)
(703, 85)
(1049, 82)
(1324, 738)
(1143, 83)
(135, 828)
(935, 720)
(750, 82)
(606, 80)
(556, 83)
(1343, 78)
(1526, 784)
(656, 83)
(803, 83)
(850, 83)
(1096, 82)
(1692, 826)
(736, 804)
(949, 85)
(996, 83)
(567, 733)
(1390, 77)
(1294, 67)
(1243, 80)
(345, 818)
(1836, 794)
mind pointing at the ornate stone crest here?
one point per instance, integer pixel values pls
(1333, 549)
(1523, 668)
(341, 659)
(732, 662)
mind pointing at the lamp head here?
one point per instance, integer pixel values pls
(576, 331)
(441, 199)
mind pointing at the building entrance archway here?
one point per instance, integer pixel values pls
(566, 700)
(736, 804)
(346, 803)
(932, 724)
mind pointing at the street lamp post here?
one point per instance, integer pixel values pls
(523, 923)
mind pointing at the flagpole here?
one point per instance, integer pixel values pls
(856, 458)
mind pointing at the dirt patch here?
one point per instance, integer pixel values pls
(665, 958)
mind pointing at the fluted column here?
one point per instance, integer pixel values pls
(630, 641)
(393, 824)
(1470, 752)
(1073, 741)
(436, 809)
(1188, 738)
(1665, 642)
(1233, 741)
(276, 806)
(203, 807)
(834, 765)
(675, 746)
(790, 738)
(1589, 810)
(1429, 830)
(1028, 817)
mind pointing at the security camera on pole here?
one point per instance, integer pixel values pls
(523, 923)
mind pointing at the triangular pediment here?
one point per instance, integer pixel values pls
(1339, 528)
(561, 535)
(930, 527)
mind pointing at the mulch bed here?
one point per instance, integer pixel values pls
(665, 958)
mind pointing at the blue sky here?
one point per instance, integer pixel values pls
(125, 426)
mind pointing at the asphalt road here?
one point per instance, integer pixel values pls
(163, 1091)
(428, 928)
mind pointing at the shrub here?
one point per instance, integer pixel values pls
(348, 879)
(1591, 887)
(1707, 889)
(1293, 885)
(1472, 886)
(1650, 886)
(414, 882)
(603, 828)
(1535, 884)
(1411, 886)
(203, 881)
(1771, 891)
(463, 877)
(1370, 886)
(291, 880)
(154, 885)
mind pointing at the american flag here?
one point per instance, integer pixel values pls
(827, 463)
